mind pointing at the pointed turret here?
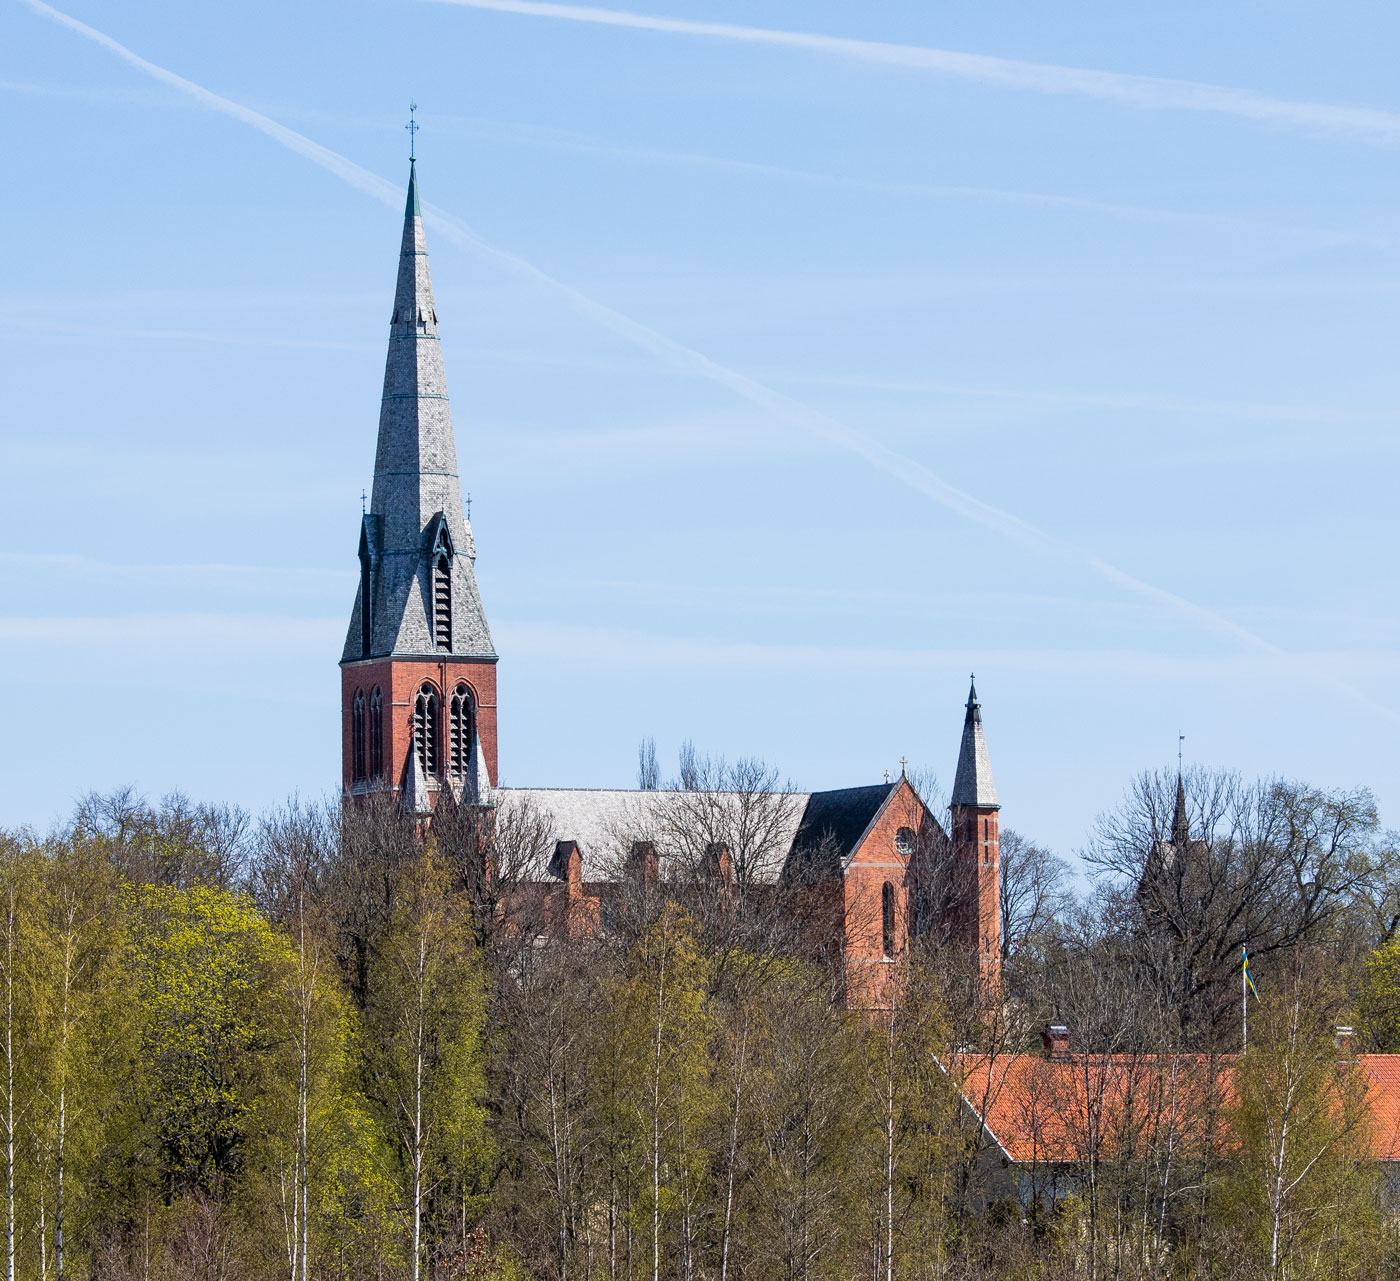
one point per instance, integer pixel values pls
(975, 829)
(418, 673)
(414, 795)
(415, 513)
(972, 784)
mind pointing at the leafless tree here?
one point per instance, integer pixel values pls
(1264, 865)
(648, 769)
(1034, 892)
(499, 854)
(178, 842)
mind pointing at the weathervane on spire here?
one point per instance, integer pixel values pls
(412, 126)
(1180, 739)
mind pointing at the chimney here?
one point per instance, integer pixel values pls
(567, 864)
(720, 864)
(643, 864)
(1055, 1039)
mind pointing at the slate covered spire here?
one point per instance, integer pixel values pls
(972, 785)
(1181, 823)
(415, 513)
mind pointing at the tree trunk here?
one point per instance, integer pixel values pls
(419, 1032)
(733, 1154)
(10, 1089)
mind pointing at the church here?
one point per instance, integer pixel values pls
(419, 719)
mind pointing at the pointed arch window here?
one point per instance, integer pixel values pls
(460, 731)
(887, 917)
(376, 734)
(357, 736)
(425, 729)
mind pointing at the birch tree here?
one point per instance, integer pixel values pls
(423, 1033)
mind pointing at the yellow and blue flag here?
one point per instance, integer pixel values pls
(1248, 977)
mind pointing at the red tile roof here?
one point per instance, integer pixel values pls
(1058, 1109)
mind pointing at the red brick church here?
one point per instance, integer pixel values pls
(418, 694)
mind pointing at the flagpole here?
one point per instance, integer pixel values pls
(1244, 993)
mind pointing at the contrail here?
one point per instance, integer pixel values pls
(1157, 93)
(903, 468)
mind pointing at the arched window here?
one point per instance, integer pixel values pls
(904, 842)
(442, 600)
(425, 729)
(376, 734)
(459, 731)
(357, 736)
(887, 913)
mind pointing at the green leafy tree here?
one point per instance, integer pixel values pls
(1301, 1186)
(210, 984)
(665, 1036)
(423, 1047)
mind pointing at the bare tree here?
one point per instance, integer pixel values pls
(648, 769)
(1264, 865)
(1034, 891)
(178, 842)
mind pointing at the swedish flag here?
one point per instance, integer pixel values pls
(1248, 977)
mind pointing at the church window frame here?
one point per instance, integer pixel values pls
(440, 589)
(461, 729)
(904, 842)
(357, 737)
(426, 726)
(376, 734)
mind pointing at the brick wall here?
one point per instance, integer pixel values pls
(399, 680)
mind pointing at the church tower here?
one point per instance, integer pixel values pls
(418, 673)
(976, 848)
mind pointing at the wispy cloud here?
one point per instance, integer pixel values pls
(906, 470)
(40, 325)
(241, 632)
(1157, 93)
(194, 569)
(568, 646)
(570, 140)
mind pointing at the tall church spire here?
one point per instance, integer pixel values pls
(415, 516)
(418, 673)
(972, 784)
(1181, 823)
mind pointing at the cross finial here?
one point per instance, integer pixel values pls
(904, 767)
(469, 507)
(412, 126)
(362, 502)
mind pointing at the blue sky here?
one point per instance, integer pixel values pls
(1082, 383)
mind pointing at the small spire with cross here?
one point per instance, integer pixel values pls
(412, 126)
(469, 507)
(362, 502)
(904, 767)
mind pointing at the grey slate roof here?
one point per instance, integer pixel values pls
(416, 488)
(972, 785)
(839, 819)
(604, 822)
